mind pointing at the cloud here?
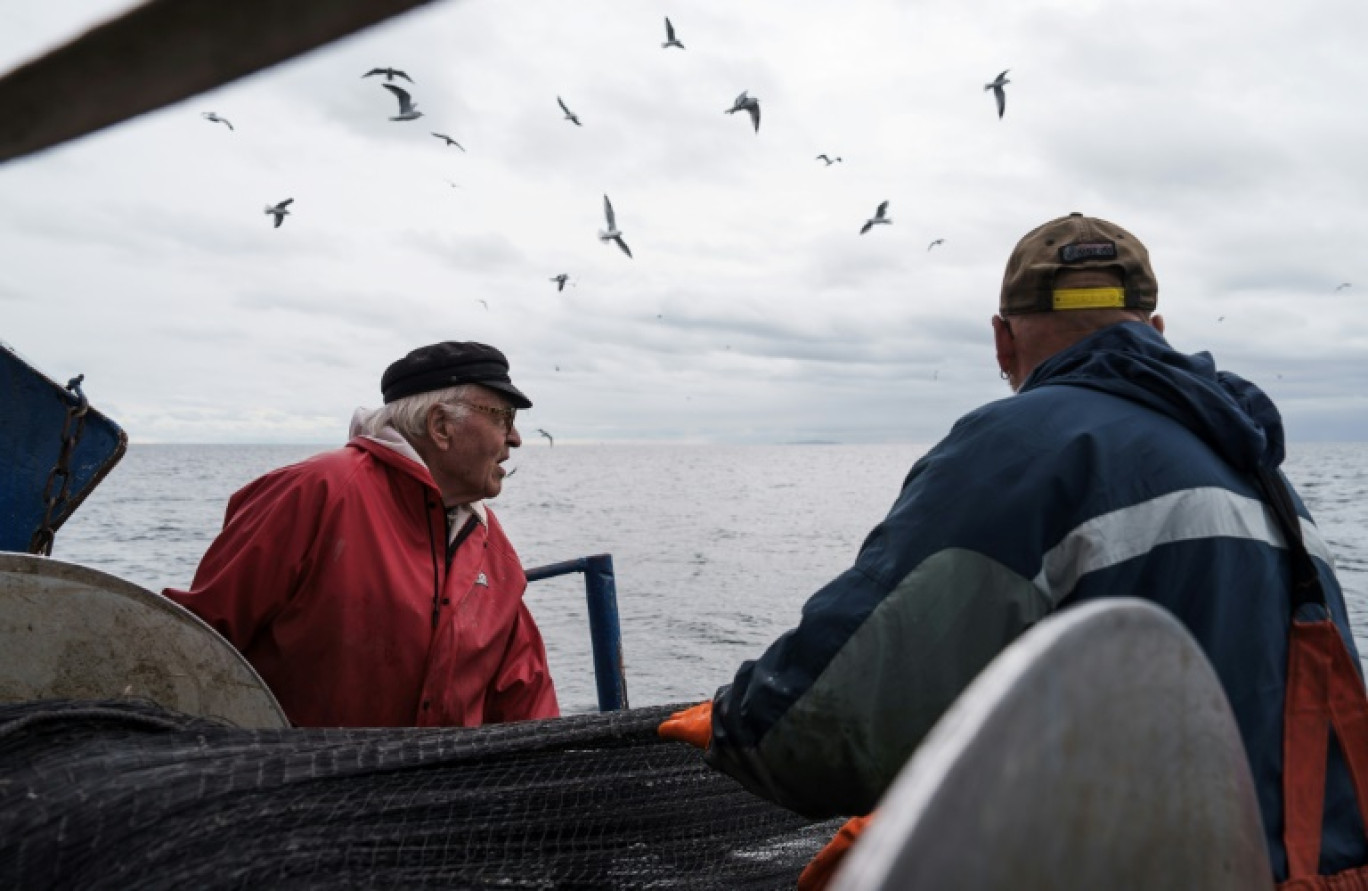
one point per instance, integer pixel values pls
(753, 310)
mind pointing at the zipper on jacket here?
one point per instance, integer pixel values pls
(455, 545)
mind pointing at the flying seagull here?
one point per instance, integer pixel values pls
(389, 73)
(747, 104)
(483, 302)
(934, 243)
(211, 116)
(876, 219)
(279, 211)
(408, 109)
(548, 436)
(1342, 286)
(829, 161)
(612, 233)
(569, 115)
(670, 36)
(996, 86)
(449, 140)
(560, 281)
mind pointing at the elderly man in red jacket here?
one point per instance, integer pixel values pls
(371, 586)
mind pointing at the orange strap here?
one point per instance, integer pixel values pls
(1323, 691)
(822, 868)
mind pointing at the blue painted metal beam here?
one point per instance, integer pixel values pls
(605, 629)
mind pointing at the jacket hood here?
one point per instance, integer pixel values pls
(1133, 361)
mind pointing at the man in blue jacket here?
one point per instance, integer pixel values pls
(1121, 467)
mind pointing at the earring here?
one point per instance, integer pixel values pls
(1004, 375)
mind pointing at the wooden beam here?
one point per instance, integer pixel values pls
(161, 52)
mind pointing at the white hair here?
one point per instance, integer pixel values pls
(409, 414)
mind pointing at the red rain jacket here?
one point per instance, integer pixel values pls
(331, 577)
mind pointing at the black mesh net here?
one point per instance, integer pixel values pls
(124, 795)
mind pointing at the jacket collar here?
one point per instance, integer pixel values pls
(393, 449)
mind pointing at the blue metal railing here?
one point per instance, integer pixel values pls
(605, 631)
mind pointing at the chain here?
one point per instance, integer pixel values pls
(72, 428)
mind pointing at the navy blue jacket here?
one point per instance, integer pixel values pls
(1121, 468)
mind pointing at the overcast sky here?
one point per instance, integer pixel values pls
(1228, 136)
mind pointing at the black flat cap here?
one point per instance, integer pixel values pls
(449, 364)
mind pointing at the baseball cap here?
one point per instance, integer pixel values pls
(1077, 242)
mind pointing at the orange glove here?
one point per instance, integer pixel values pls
(817, 874)
(692, 725)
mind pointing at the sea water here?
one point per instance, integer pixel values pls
(715, 548)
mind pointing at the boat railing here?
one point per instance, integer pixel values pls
(605, 631)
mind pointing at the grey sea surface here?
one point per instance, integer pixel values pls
(715, 548)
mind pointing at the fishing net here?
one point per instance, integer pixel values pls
(127, 795)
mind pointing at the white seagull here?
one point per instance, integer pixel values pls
(548, 436)
(747, 104)
(876, 219)
(670, 36)
(998, 93)
(389, 73)
(569, 115)
(279, 211)
(829, 161)
(1342, 286)
(934, 243)
(408, 109)
(560, 281)
(612, 233)
(211, 116)
(449, 140)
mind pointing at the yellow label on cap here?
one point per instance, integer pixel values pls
(1089, 298)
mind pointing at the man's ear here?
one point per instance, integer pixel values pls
(437, 427)
(1004, 343)
(1157, 323)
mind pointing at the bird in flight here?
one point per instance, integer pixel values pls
(1342, 285)
(408, 109)
(449, 140)
(569, 115)
(934, 243)
(612, 233)
(747, 104)
(996, 86)
(829, 161)
(211, 116)
(876, 219)
(560, 281)
(670, 36)
(279, 211)
(549, 437)
(389, 73)
(483, 302)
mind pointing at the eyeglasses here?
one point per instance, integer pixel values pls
(505, 416)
